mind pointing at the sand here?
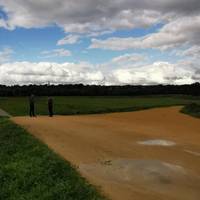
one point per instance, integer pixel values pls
(4, 113)
(144, 155)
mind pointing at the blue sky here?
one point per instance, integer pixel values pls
(29, 43)
(100, 42)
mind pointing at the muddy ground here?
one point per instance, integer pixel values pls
(144, 155)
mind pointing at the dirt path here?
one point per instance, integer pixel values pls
(145, 155)
(4, 113)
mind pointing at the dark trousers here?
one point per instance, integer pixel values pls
(50, 108)
(32, 110)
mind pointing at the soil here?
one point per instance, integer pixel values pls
(150, 154)
(4, 113)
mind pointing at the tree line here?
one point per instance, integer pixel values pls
(97, 90)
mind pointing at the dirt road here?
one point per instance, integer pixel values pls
(146, 155)
(4, 113)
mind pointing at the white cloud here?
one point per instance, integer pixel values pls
(192, 52)
(56, 53)
(91, 18)
(77, 16)
(5, 55)
(181, 20)
(156, 73)
(128, 58)
(94, 15)
(69, 39)
(43, 72)
(86, 73)
(176, 33)
(3, 23)
(124, 61)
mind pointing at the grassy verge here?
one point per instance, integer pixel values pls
(29, 170)
(17, 106)
(192, 109)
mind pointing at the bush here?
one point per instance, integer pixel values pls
(192, 109)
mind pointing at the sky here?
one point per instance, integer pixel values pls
(106, 42)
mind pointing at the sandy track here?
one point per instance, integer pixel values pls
(4, 113)
(105, 148)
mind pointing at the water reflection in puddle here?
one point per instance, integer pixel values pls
(157, 142)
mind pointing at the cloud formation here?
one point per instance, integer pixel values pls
(69, 39)
(5, 55)
(86, 73)
(180, 29)
(192, 52)
(43, 72)
(185, 30)
(94, 15)
(181, 20)
(56, 53)
(128, 58)
(157, 73)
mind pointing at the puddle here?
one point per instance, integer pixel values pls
(132, 170)
(146, 175)
(192, 152)
(175, 168)
(157, 142)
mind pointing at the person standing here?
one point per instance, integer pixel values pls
(50, 106)
(32, 106)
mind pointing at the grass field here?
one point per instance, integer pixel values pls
(18, 106)
(29, 170)
(192, 109)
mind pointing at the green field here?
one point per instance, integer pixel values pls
(17, 106)
(30, 171)
(192, 109)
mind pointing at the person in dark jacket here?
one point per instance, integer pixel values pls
(50, 106)
(32, 105)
